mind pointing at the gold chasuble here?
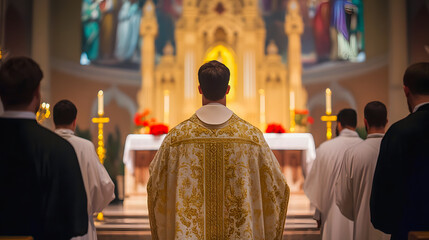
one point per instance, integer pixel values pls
(216, 182)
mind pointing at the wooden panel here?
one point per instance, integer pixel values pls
(142, 161)
(418, 236)
(291, 165)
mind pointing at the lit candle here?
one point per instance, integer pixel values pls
(328, 101)
(100, 103)
(292, 100)
(166, 106)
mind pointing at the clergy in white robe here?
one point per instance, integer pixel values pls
(354, 184)
(319, 186)
(214, 176)
(98, 185)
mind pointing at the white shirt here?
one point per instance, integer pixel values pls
(419, 105)
(319, 185)
(98, 185)
(354, 184)
(18, 114)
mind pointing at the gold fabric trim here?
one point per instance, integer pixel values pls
(151, 205)
(283, 213)
(214, 140)
(214, 190)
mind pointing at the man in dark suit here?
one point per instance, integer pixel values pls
(41, 186)
(400, 191)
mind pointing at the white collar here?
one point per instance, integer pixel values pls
(417, 107)
(375, 135)
(348, 133)
(214, 113)
(64, 131)
(19, 114)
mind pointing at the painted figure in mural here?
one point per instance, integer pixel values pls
(107, 27)
(91, 29)
(321, 31)
(127, 33)
(346, 29)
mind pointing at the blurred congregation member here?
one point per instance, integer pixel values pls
(42, 191)
(353, 186)
(319, 186)
(98, 185)
(400, 191)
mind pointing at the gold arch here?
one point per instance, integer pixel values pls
(224, 55)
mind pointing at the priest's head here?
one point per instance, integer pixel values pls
(213, 77)
(65, 115)
(416, 84)
(346, 118)
(375, 117)
(20, 84)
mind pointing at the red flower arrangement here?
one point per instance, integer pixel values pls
(145, 125)
(301, 111)
(275, 128)
(158, 129)
(140, 118)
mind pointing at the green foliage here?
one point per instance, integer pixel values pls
(362, 132)
(113, 160)
(83, 133)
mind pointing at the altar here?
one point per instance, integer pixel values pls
(294, 151)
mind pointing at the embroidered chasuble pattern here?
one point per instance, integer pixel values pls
(222, 183)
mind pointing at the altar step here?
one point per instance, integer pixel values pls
(130, 225)
(130, 221)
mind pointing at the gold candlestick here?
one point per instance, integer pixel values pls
(292, 111)
(328, 118)
(101, 150)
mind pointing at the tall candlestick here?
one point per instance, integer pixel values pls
(100, 103)
(166, 107)
(262, 108)
(328, 94)
(292, 100)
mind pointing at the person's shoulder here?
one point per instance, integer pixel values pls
(328, 144)
(248, 131)
(181, 131)
(82, 141)
(406, 126)
(52, 142)
(359, 149)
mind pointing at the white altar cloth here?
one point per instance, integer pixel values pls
(276, 141)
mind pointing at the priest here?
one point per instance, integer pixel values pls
(214, 176)
(98, 185)
(400, 192)
(320, 184)
(42, 191)
(353, 186)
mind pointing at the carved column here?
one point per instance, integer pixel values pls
(148, 31)
(294, 27)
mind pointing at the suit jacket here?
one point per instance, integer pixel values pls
(400, 191)
(41, 186)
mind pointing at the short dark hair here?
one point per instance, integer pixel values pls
(213, 77)
(375, 114)
(64, 112)
(416, 78)
(347, 117)
(19, 79)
